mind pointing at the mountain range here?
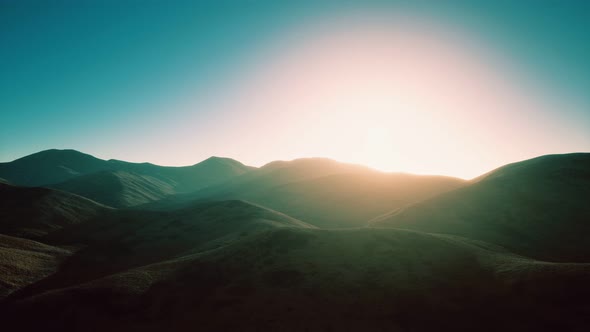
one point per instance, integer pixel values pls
(311, 244)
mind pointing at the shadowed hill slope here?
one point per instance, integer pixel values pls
(23, 262)
(229, 265)
(188, 178)
(118, 188)
(35, 212)
(124, 239)
(537, 207)
(293, 279)
(344, 200)
(55, 166)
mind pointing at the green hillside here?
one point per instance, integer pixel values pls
(537, 207)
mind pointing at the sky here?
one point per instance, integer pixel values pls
(429, 87)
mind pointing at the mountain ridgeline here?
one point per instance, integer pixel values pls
(323, 192)
(113, 182)
(311, 244)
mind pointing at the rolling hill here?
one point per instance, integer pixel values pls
(49, 167)
(97, 240)
(124, 239)
(538, 207)
(323, 192)
(34, 213)
(293, 279)
(113, 182)
(23, 262)
(118, 188)
(506, 251)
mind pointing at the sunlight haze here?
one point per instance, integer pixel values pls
(395, 88)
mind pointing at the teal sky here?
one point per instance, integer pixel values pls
(147, 80)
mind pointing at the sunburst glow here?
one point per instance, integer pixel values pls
(396, 94)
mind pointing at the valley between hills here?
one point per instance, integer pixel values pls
(306, 245)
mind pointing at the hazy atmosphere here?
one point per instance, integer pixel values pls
(243, 165)
(442, 87)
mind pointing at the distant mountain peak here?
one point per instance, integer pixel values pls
(216, 159)
(219, 159)
(62, 153)
(54, 166)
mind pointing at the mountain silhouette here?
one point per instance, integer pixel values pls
(49, 167)
(36, 212)
(221, 246)
(115, 183)
(324, 192)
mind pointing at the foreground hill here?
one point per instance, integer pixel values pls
(124, 239)
(101, 240)
(36, 212)
(114, 182)
(23, 262)
(477, 259)
(293, 279)
(324, 192)
(537, 207)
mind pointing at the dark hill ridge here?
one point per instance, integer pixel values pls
(49, 167)
(24, 262)
(55, 166)
(114, 182)
(537, 207)
(569, 167)
(36, 212)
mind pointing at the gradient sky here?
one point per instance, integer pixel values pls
(440, 87)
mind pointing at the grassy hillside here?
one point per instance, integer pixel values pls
(52, 167)
(35, 212)
(537, 207)
(124, 239)
(23, 262)
(293, 279)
